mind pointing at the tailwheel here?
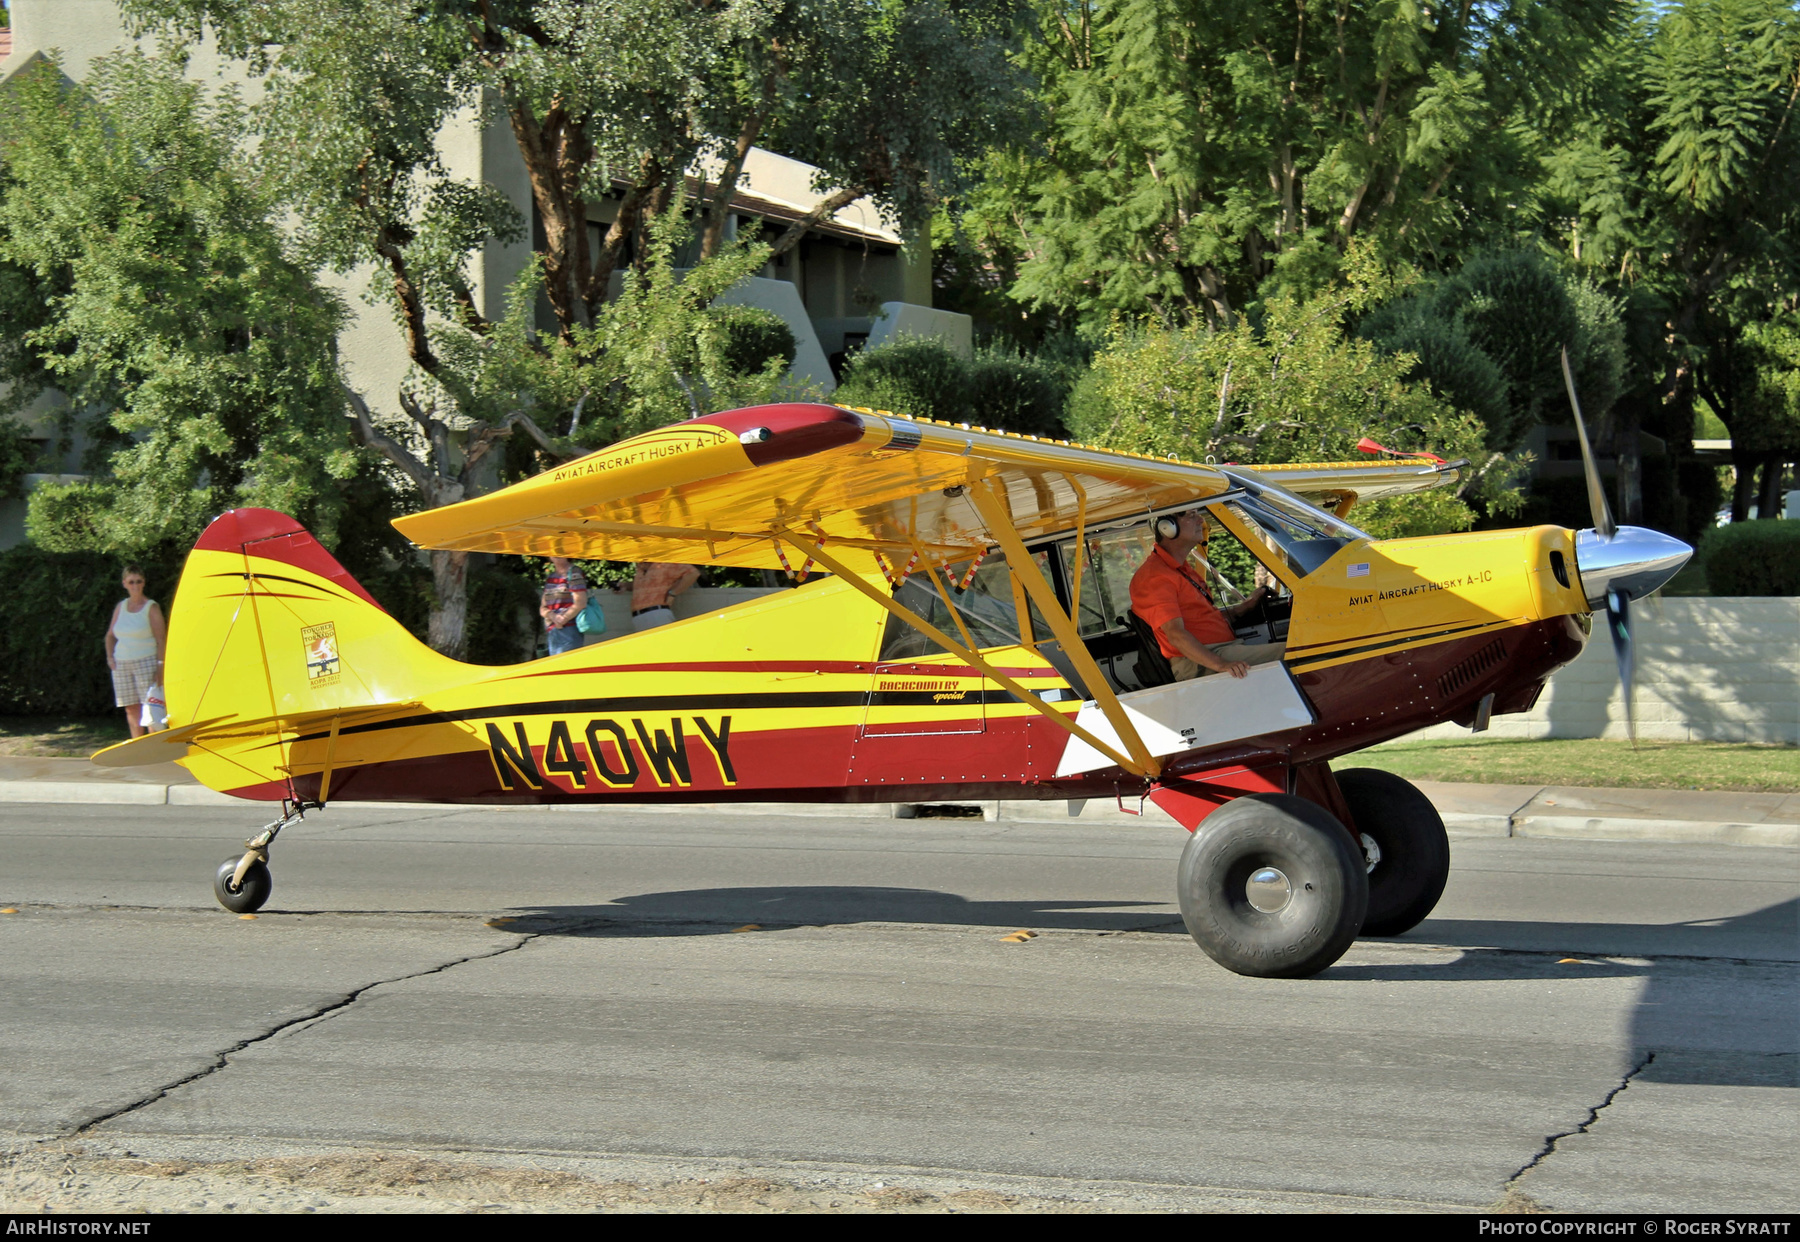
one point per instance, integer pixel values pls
(242, 895)
(243, 883)
(1270, 886)
(1407, 851)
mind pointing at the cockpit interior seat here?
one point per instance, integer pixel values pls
(1152, 666)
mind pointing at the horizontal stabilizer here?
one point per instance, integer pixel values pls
(172, 745)
(168, 746)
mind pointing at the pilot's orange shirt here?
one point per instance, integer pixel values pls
(1163, 589)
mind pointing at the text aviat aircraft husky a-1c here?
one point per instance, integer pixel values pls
(962, 633)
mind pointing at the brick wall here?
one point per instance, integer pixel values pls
(1714, 670)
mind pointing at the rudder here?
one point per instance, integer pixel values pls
(267, 623)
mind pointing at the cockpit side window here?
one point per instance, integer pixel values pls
(986, 606)
(1113, 556)
(1232, 569)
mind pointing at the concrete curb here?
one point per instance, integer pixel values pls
(1672, 831)
(1528, 821)
(1602, 828)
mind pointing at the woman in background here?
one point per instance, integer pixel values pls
(565, 595)
(135, 640)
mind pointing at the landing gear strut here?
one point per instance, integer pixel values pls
(243, 884)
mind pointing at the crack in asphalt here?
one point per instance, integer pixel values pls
(223, 1059)
(1550, 1141)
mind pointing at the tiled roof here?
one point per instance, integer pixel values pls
(5, 42)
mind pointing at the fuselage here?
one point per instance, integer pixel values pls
(800, 696)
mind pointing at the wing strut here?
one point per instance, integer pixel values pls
(971, 658)
(1000, 526)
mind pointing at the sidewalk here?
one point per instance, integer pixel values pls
(1666, 815)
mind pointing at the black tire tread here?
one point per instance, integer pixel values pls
(1407, 883)
(251, 895)
(1312, 847)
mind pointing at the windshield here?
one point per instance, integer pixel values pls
(1292, 534)
(1297, 511)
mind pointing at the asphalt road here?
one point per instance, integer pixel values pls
(1597, 1026)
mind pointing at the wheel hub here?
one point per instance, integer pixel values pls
(1371, 851)
(1268, 890)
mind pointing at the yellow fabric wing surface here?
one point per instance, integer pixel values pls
(721, 489)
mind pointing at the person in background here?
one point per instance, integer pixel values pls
(654, 586)
(565, 595)
(136, 638)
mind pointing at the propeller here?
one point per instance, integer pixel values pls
(1618, 604)
(1618, 564)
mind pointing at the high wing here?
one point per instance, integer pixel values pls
(730, 488)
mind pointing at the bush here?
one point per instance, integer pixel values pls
(915, 376)
(1288, 388)
(1016, 393)
(753, 336)
(1752, 558)
(924, 378)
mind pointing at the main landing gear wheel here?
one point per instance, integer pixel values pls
(1410, 858)
(250, 893)
(1270, 886)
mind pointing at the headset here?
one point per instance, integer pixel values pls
(1169, 524)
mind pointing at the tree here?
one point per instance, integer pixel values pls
(1754, 375)
(1199, 154)
(358, 93)
(1681, 183)
(884, 98)
(1489, 338)
(1292, 388)
(166, 299)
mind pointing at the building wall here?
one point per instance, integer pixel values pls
(1708, 670)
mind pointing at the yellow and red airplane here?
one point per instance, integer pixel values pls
(968, 636)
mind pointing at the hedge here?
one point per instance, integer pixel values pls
(923, 378)
(54, 611)
(53, 617)
(753, 336)
(1752, 558)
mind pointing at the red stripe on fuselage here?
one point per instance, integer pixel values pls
(788, 666)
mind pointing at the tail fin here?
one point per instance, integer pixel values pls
(267, 624)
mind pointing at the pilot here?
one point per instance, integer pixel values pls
(1170, 595)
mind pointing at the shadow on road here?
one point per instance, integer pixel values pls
(1718, 996)
(1768, 934)
(710, 911)
(1712, 1009)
